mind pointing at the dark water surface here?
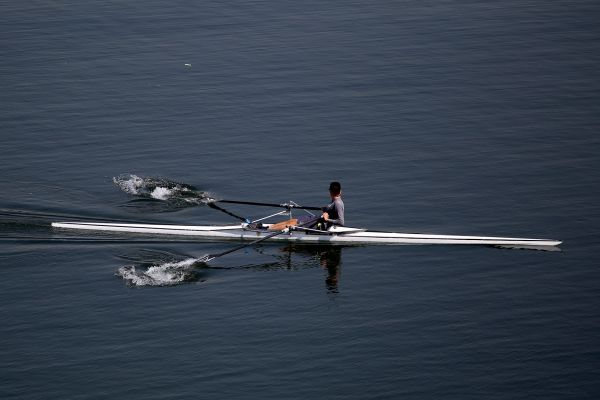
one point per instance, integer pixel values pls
(452, 117)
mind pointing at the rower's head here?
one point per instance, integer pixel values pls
(335, 189)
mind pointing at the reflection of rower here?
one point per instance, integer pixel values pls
(331, 260)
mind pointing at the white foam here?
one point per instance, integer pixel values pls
(166, 274)
(161, 193)
(129, 183)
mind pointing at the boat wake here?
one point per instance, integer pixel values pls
(161, 274)
(33, 226)
(173, 195)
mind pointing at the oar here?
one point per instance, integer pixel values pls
(216, 207)
(211, 203)
(210, 257)
(254, 203)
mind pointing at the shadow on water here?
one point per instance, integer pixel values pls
(149, 267)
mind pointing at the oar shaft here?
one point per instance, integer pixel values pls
(254, 203)
(216, 207)
(249, 244)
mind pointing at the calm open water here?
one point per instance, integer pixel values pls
(455, 117)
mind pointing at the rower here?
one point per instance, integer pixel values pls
(333, 214)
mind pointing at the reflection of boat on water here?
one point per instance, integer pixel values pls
(328, 257)
(297, 256)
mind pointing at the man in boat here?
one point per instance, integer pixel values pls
(333, 214)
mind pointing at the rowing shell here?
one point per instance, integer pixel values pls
(336, 235)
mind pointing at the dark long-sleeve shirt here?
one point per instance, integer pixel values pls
(336, 212)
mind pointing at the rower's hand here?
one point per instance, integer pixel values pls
(325, 216)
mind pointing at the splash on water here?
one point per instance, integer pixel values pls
(165, 274)
(161, 193)
(176, 194)
(131, 184)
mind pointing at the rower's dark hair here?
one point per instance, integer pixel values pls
(335, 188)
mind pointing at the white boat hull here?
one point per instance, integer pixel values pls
(349, 237)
